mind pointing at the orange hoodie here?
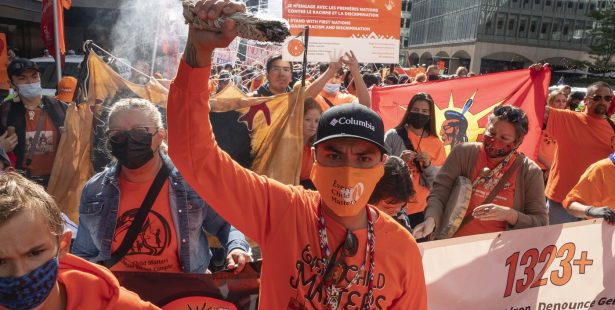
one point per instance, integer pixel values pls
(90, 286)
(283, 219)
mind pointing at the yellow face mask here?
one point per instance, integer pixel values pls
(345, 190)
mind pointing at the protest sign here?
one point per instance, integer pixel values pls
(227, 55)
(369, 28)
(570, 266)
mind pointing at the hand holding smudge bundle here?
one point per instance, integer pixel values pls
(248, 26)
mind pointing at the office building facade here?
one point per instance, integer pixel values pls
(497, 35)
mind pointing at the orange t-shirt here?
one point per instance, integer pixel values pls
(547, 150)
(339, 98)
(91, 286)
(596, 187)
(581, 141)
(504, 198)
(155, 248)
(283, 218)
(306, 162)
(435, 148)
(45, 152)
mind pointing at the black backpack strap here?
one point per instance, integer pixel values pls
(403, 134)
(56, 112)
(328, 102)
(137, 223)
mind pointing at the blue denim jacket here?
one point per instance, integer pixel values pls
(98, 213)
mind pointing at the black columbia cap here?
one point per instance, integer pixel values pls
(19, 65)
(351, 120)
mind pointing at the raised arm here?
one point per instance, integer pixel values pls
(362, 93)
(240, 196)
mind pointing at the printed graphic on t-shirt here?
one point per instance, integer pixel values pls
(308, 281)
(153, 240)
(44, 145)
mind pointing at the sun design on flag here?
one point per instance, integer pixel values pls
(457, 124)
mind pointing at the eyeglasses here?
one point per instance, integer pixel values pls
(511, 114)
(334, 270)
(121, 136)
(598, 98)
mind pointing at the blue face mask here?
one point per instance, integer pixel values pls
(31, 289)
(30, 91)
(332, 88)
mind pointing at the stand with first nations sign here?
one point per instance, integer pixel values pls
(558, 267)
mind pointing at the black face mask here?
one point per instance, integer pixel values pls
(132, 148)
(418, 120)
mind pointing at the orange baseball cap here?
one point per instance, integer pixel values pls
(66, 88)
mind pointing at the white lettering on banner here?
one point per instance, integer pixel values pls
(352, 121)
(558, 267)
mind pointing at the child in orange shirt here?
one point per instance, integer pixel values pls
(36, 271)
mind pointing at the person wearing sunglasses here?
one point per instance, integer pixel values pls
(507, 187)
(139, 214)
(583, 138)
(324, 249)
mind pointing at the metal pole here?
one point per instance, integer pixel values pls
(306, 36)
(56, 38)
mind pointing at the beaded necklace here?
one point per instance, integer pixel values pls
(333, 292)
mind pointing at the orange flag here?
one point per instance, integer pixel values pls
(462, 105)
(276, 129)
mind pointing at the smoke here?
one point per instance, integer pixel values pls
(145, 27)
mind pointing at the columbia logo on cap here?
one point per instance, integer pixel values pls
(352, 121)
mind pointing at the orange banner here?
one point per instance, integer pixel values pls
(4, 62)
(369, 28)
(570, 266)
(462, 105)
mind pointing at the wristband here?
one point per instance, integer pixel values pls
(587, 211)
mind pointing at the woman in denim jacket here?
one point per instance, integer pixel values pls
(172, 237)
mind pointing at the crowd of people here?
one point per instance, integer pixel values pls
(346, 237)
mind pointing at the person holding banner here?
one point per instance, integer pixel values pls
(140, 215)
(416, 141)
(36, 270)
(507, 188)
(582, 139)
(594, 195)
(321, 250)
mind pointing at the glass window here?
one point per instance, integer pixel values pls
(402, 23)
(547, 3)
(511, 29)
(526, 4)
(581, 7)
(579, 32)
(570, 5)
(407, 23)
(522, 27)
(555, 30)
(534, 22)
(567, 30)
(545, 28)
(499, 24)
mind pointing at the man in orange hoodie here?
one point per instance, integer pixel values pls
(36, 271)
(321, 250)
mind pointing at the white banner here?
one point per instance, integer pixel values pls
(557, 267)
(228, 55)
